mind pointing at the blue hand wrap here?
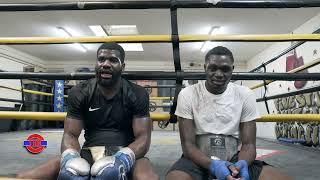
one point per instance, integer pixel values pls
(244, 172)
(220, 169)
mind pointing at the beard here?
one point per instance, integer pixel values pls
(107, 82)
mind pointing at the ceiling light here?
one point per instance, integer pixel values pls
(64, 32)
(131, 46)
(123, 30)
(98, 30)
(123, 26)
(120, 30)
(207, 44)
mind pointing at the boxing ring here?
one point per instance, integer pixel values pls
(165, 147)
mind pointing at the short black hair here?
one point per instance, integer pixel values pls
(220, 51)
(113, 46)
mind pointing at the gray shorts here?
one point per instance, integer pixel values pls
(199, 173)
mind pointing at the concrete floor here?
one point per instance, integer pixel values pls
(298, 161)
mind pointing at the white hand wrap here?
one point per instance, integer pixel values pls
(97, 152)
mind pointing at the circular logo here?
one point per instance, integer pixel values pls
(35, 143)
(218, 142)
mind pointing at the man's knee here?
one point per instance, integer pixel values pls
(47, 170)
(269, 172)
(178, 175)
(143, 170)
(145, 176)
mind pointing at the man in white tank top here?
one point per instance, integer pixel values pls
(214, 115)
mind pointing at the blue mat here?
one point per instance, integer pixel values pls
(292, 140)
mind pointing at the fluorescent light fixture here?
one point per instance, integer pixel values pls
(98, 30)
(123, 26)
(207, 44)
(64, 32)
(131, 46)
(121, 30)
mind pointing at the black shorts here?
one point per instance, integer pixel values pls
(86, 154)
(199, 173)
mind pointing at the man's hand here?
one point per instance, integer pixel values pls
(242, 167)
(127, 157)
(72, 166)
(116, 167)
(108, 167)
(221, 169)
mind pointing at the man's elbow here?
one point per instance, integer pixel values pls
(145, 142)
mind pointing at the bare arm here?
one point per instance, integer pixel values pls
(248, 138)
(72, 131)
(188, 143)
(142, 132)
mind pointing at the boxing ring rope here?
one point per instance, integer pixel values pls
(162, 75)
(151, 75)
(160, 98)
(59, 116)
(66, 96)
(94, 5)
(25, 101)
(161, 38)
(29, 91)
(293, 71)
(293, 93)
(7, 178)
